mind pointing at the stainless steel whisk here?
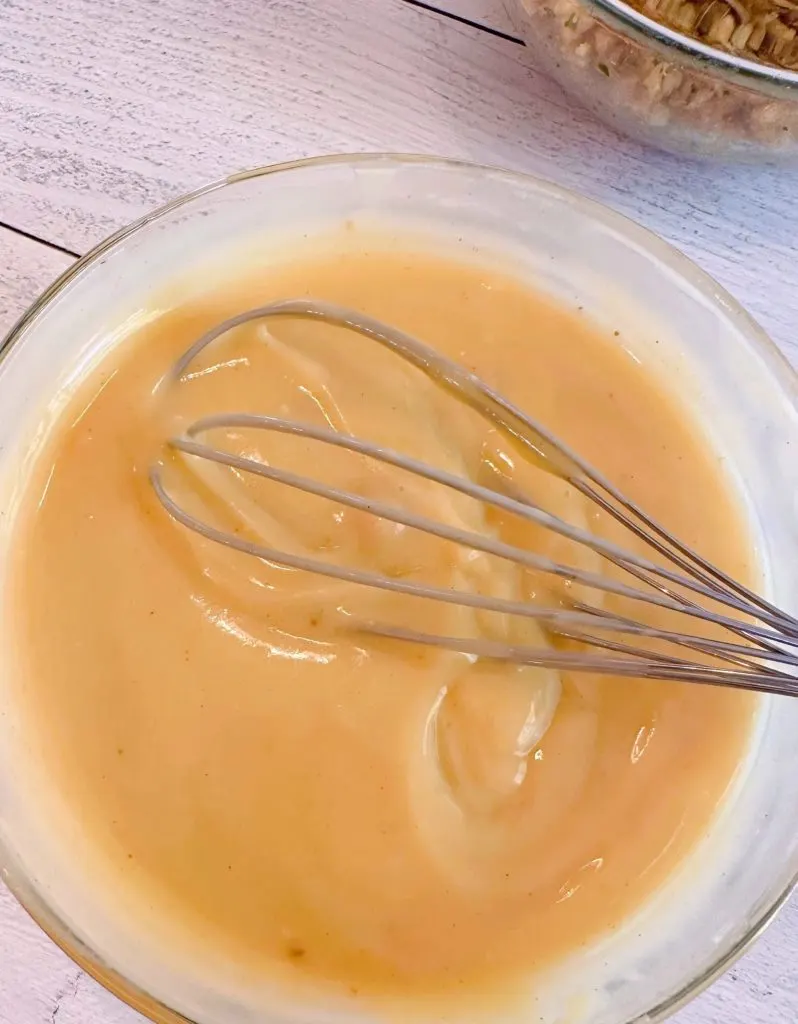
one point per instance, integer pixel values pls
(759, 649)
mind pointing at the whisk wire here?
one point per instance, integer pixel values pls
(768, 632)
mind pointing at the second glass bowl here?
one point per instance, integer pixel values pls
(661, 87)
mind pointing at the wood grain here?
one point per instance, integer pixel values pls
(126, 111)
(27, 268)
(107, 110)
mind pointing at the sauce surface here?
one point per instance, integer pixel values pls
(306, 800)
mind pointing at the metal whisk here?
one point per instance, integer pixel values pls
(757, 643)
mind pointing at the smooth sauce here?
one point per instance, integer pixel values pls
(302, 799)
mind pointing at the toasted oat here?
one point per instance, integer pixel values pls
(761, 30)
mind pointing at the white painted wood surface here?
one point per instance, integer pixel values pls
(108, 109)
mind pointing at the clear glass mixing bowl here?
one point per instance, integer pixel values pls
(668, 312)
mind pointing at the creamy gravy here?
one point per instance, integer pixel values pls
(306, 802)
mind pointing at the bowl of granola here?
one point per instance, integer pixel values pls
(707, 78)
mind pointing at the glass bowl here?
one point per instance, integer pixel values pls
(726, 371)
(659, 86)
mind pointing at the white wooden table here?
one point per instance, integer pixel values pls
(107, 109)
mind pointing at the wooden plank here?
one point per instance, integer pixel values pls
(126, 111)
(27, 268)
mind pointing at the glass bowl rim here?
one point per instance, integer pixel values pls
(50, 923)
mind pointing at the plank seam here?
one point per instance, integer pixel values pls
(497, 32)
(37, 238)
